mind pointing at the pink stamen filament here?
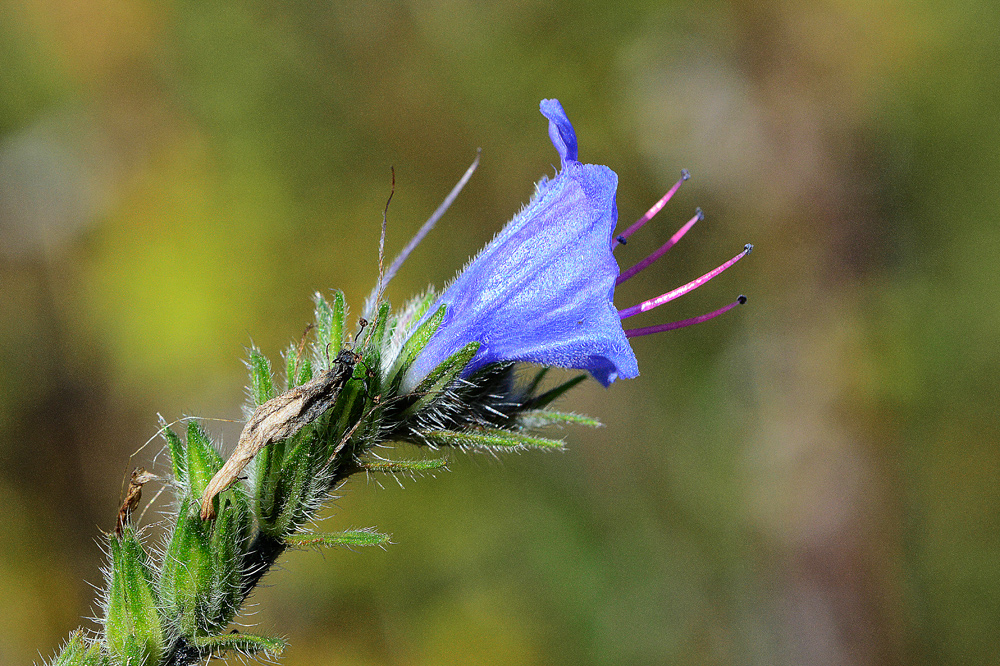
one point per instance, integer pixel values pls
(680, 291)
(634, 270)
(621, 238)
(650, 330)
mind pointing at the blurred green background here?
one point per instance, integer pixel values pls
(808, 480)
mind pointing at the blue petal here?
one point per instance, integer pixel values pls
(542, 291)
(560, 129)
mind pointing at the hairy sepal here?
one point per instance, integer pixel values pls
(186, 581)
(411, 467)
(178, 455)
(200, 583)
(542, 417)
(330, 322)
(348, 539)
(293, 491)
(230, 537)
(548, 397)
(489, 439)
(261, 378)
(442, 377)
(246, 644)
(375, 338)
(203, 461)
(413, 346)
(133, 632)
(298, 370)
(79, 650)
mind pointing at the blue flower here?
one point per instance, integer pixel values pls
(543, 290)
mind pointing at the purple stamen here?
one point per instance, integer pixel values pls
(650, 330)
(680, 291)
(631, 272)
(623, 237)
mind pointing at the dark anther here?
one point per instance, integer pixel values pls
(362, 324)
(742, 299)
(622, 240)
(685, 174)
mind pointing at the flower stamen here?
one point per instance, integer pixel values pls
(650, 330)
(634, 270)
(622, 238)
(680, 291)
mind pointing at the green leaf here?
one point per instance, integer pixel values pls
(489, 438)
(414, 345)
(350, 538)
(244, 643)
(544, 417)
(261, 378)
(549, 396)
(132, 627)
(404, 466)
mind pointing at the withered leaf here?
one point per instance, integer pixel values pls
(278, 419)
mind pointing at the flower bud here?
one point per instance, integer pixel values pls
(132, 626)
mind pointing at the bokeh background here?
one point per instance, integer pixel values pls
(811, 479)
